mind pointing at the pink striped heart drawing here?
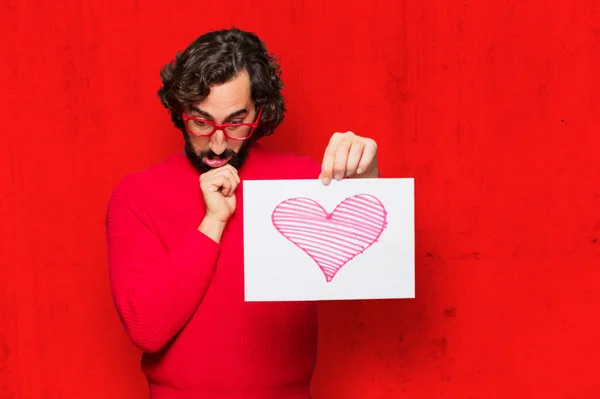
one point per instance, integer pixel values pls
(331, 240)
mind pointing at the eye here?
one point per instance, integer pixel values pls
(237, 121)
(200, 123)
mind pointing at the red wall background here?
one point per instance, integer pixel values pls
(492, 106)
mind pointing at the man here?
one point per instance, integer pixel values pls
(175, 238)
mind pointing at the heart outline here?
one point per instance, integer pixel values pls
(360, 234)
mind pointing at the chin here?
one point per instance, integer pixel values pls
(237, 157)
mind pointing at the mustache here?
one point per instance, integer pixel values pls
(210, 154)
(237, 158)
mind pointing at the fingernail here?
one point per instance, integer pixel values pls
(338, 177)
(326, 181)
(359, 171)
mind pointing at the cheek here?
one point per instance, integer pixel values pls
(202, 143)
(235, 145)
(199, 143)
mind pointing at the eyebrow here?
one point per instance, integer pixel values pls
(209, 116)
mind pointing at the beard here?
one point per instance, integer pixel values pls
(236, 159)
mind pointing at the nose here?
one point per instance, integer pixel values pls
(218, 142)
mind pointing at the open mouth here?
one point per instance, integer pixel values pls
(216, 163)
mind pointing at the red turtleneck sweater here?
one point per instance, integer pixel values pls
(180, 295)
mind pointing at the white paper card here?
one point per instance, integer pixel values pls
(352, 239)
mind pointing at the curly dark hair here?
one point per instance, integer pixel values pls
(214, 58)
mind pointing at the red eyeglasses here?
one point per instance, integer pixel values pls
(233, 131)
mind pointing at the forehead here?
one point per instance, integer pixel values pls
(223, 98)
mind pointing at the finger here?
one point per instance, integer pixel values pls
(354, 157)
(234, 179)
(341, 158)
(235, 174)
(230, 172)
(367, 157)
(224, 184)
(220, 183)
(329, 158)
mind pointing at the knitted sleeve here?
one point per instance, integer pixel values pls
(155, 291)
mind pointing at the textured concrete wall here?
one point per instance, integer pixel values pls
(491, 106)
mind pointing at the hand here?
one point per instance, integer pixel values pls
(349, 155)
(218, 190)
